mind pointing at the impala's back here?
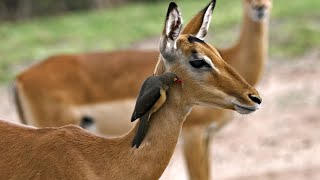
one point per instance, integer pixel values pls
(53, 92)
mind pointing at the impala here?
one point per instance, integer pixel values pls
(70, 152)
(247, 57)
(66, 88)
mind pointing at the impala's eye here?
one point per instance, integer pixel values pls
(199, 64)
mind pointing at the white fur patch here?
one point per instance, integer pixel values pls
(173, 19)
(92, 128)
(111, 118)
(171, 44)
(209, 61)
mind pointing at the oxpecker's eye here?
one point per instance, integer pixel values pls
(199, 64)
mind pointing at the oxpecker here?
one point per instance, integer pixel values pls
(152, 95)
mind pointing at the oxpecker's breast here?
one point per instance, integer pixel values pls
(159, 103)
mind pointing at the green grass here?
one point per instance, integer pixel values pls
(295, 30)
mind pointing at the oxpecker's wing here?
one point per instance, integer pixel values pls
(148, 96)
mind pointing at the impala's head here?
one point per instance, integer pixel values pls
(258, 10)
(207, 78)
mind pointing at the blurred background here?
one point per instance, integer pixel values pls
(280, 141)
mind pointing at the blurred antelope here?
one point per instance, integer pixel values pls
(70, 152)
(66, 88)
(247, 57)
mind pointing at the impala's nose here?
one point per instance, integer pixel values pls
(255, 98)
(260, 11)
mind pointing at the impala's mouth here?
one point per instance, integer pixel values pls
(261, 14)
(244, 109)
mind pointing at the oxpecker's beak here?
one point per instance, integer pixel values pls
(176, 80)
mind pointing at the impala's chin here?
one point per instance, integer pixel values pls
(217, 104)
(244, 109)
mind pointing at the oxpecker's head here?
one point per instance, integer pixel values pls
(170, 78)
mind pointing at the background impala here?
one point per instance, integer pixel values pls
(291, 114)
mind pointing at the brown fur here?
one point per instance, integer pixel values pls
(63, 81)
(55, 85)
(70, 152)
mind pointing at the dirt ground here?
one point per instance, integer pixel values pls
(280, 141)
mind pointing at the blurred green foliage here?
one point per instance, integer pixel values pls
(23, 9)
(295, 29)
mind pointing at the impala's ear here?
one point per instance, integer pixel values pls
(171, 31)
(199, 24)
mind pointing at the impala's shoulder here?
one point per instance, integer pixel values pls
(61, 134)
(70, 129)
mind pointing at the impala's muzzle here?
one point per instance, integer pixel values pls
(259, 12)
(248, 105)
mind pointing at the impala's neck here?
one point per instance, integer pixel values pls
(249, 53)
(151, 158)
(253, 31)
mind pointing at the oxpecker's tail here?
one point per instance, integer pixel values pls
(142, 130)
